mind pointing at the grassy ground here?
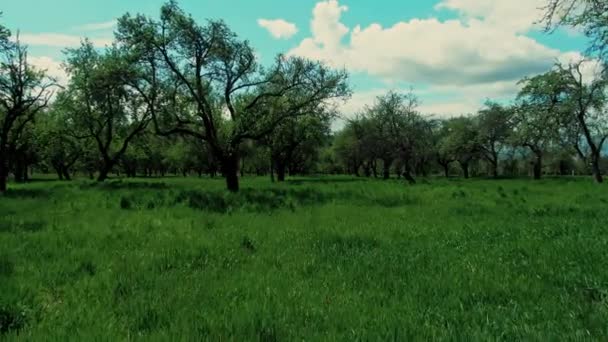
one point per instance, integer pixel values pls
(314, 259)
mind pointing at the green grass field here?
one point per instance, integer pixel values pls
(312, 259)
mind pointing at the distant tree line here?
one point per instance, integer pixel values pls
(172, 96)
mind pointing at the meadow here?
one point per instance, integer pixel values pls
(330, 258)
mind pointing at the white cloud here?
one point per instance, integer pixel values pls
(327, 30)
(279, 28)
(426, 50)
(97, 26)
(481, 54)
(512, 15)
(59, 40)
(52, 67)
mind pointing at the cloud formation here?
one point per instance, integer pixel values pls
(279, 28)
(59, 40)
(97, 26)
(52, 68)
(484, 49)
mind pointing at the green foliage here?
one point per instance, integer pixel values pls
(100, 105)
(333, 258)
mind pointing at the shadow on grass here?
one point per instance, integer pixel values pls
(25, 193)
(255, 200)
(325, 181)
(258, 200)
(42, 180)
(7, 225)
(11, 319)
(121, 185)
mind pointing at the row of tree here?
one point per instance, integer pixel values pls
(556, 113)
(174, 96)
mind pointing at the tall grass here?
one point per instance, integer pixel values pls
(315, 259)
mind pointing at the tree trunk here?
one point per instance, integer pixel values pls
(494, 168)
(271, 170)
(595, 168)
(232, 180)
(446, 170)
(3, 175)
(103, 175)
(281, 170)
(230, 169)
(538, 166)
(563, 168)
(407, 173)
(66, 174)
(465, 169)
(425, 172)
(104, 171)
(356, 169)
(3, 169)
(18, 171)
(59, 172)
(387, 170)
(367, 170)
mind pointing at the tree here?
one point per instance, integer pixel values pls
(443, 152)
(395, 125)
(588, 113)
(538, 115)
(58, 147)
(460, 142)
(202, 81)
(423, 152)
(348, 147)
(100, 103)
(297, 139)
(24, 92)
(493, 124)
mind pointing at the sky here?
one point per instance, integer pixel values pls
(454, 54)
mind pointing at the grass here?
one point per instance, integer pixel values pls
(312, 259)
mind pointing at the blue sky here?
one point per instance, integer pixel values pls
(454, 53)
